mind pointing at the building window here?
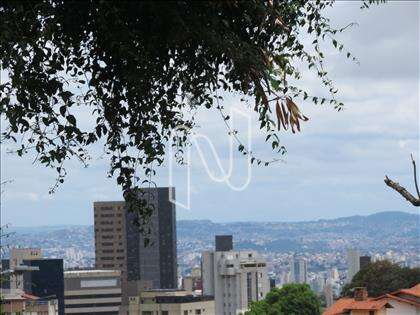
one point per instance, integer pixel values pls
(249, 287)
(197, 312)
(108, 265)
(107, 258)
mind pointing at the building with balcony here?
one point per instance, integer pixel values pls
(234, 278)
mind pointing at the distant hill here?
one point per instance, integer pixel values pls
(384, 217)
(379, 231)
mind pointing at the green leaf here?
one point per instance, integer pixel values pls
(71, 120)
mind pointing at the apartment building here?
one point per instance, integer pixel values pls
(234, 278)
(110, 235)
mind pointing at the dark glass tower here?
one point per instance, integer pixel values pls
(47, 282)
(364, 261)
(224, 243)
(153, 265)
(120, 244)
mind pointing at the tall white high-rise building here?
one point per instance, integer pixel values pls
(299, 270)
(328, 293)
(353, 263)
(318, 283)
(234, 278)
(333, 274)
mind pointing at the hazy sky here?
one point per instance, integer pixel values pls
(335, 167)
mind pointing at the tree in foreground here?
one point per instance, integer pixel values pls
(291, 299)
(130, 76)
(383, 277)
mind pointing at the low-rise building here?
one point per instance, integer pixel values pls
(170, 302)
(402, 302)
(16, 301)
(27, 271)
(92, 291)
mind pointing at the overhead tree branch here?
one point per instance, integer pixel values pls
(404, 192)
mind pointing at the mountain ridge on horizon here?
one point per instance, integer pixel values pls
(395, 214)
(398, 231)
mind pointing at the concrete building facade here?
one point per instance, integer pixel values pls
(353, 263)
(92, 292)
(171, 302)
(110, 240)
(235, 279)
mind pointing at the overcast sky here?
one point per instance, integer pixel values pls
(334, 168)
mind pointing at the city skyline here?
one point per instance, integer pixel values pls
(210, 157)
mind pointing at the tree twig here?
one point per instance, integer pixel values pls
(415, 176)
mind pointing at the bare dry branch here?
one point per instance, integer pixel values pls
(415, 175)
(402, 191)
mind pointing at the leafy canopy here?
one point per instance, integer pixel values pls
(139, 70)
(291, 299)
(383, 277)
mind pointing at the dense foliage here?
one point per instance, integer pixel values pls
(130, 75)
(291, 299)
(383, 277)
